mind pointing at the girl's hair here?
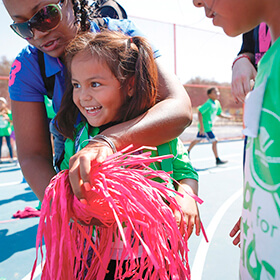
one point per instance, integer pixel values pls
(131, 61)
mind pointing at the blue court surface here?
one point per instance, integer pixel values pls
(219, 187)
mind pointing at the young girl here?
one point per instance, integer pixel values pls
(49, 25)
(5, 126)
(114, 79)
(260, 222)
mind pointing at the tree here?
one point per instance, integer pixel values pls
(5, 66)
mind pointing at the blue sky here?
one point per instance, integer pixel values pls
(201, 49)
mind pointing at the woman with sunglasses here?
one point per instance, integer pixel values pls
(49, 26)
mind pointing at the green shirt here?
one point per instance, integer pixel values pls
(49, 107)
(209, 110)
(179, 165)
(260, 226)
(5, 125)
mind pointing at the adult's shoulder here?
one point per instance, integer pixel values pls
(28, 54)
(125, 25)
(25, 80)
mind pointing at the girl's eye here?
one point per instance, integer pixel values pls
(94, 84)
(76, 85)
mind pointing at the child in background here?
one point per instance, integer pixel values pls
(114, 79)
(260, 220)
(5, 126)
(206, 115)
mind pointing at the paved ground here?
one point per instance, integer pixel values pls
(220, 188)
(221, 132)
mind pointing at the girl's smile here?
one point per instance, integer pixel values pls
(96, 91)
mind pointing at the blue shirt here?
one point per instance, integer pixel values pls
(25, 81)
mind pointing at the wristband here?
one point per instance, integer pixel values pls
(239, 57)
(108, 141)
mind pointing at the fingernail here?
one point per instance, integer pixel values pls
(87, 186)
(83, 201)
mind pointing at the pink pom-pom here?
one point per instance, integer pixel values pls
(135, 214)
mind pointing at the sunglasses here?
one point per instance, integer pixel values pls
(44, 20)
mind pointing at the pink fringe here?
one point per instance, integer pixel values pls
(123, 193)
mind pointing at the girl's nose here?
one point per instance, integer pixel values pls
(198, 3)
(84, 96)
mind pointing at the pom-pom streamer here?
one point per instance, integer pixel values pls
(135, 224)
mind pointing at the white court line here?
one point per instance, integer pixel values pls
(37, 272)
(203, 247)
(10, 184)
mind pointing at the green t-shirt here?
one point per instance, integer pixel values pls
(209, 110)
(5, 125)
(260, 226)
(49, 107)
(179, 165)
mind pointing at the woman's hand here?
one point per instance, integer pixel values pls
(80, 166)
(188, 207)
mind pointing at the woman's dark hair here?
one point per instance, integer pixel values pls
(132, 63)
(83, 13)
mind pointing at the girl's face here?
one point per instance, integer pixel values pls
(234, 16)
(96, 91)
(51, 42)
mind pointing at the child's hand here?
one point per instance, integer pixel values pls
(201, 132)
(189, 208)
(80, 166)
(235, 233)
(243, 73)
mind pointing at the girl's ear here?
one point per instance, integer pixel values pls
(131, 87)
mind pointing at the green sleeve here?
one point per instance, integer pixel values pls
(182, 167)
(204, 107)
(179, 165)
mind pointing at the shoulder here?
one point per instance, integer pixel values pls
(218, 103)
(25, 77)
(204, 105)
(28, 55)
(125, 25)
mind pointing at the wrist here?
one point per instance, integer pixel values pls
(239, 57)
(99, 138)
(107, 140)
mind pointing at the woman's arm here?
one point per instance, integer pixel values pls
(165, 121)
(33, 144)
